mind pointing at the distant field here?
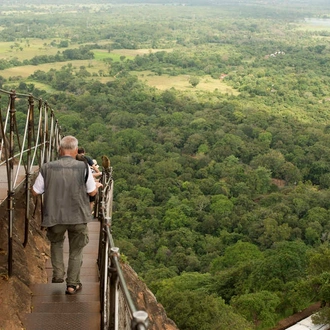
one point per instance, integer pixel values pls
(162, 82)
(99, 67)
(115, 54)
(39, 47)
(101, 54)
(181, 82)
(42, 86)
(28, 48)
(314, 24)
(133, 52)
(92, 66)
(43, 9)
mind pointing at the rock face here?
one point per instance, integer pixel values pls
(145, 300)
(29, 268)
(28, 265)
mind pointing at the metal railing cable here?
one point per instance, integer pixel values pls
(116, 312)
(24, 150)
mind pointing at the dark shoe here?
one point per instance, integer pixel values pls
(73, 289)
(57, 280)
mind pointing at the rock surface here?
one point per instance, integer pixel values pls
(145, 300)
(28, 264)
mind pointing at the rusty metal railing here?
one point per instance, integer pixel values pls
(25, 144)
(118, 310)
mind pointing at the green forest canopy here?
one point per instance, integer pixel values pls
(221, 199)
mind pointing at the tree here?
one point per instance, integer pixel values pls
(74, 121)
(194, 81)
(259, 180)
(240, 252)
(273, 161)
(322, 316)
(257, 307)
(319, 260)
(284, 263)
(63, 44)
(95, 130)
(129, 140)
(175, 218)
(186, 301)
(290, 173)
(273, 232)
(2, 81)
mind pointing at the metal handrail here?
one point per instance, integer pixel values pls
(16, 149)
(112, 280)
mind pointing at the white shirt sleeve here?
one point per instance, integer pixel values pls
(90, 184)
(39, 184)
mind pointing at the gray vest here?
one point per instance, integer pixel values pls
(65, 199)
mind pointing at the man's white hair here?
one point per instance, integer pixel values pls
(69, 143)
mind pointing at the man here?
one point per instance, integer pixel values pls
(66, 184)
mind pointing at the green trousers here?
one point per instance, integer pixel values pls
(78, 238)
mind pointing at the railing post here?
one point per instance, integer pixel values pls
(2, 137)
(104, 279)
(50, 136)
(56, 140)
(46, 132)
(41, 135)
(113, 317)
(28, 169)
(10, 168)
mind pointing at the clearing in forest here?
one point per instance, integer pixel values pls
(181, 82)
